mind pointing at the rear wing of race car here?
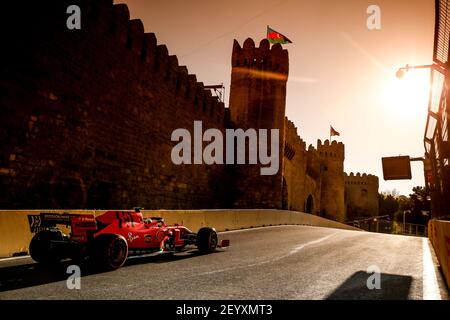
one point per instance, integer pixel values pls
(50, 220)
(81, 225)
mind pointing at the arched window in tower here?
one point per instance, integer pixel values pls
(364, 193)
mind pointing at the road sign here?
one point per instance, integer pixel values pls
(396, 168)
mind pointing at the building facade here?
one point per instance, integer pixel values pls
(436, 136)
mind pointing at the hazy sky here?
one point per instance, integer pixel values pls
(341, 73)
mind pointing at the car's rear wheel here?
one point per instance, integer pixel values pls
(110, 251)
(206, 240)
(43, 251)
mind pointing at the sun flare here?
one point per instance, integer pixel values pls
(409, 95)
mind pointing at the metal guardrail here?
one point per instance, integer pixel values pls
(391, 227)
(413, 229)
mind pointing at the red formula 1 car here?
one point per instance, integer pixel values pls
(112, 237)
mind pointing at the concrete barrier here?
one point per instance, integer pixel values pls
(15, 232)
(439, 235)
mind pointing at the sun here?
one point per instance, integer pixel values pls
(408, 96)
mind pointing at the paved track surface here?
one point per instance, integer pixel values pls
(282, 262)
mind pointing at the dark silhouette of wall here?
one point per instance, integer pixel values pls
(87, 115)
(86, 118)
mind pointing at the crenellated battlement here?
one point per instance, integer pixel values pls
(106, 19)
(292, 137)
(263, 59)
(360, 179)
(331, 150)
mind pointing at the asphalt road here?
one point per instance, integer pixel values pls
(283, 262)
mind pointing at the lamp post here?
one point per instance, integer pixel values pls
(401, 71)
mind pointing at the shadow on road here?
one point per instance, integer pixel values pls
(393, 287)
(34, 274)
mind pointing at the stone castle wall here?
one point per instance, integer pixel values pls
(87, 115)
(86, 118)
(301, 172)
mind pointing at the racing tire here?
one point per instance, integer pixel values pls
(41, 249)
(207, 240)
(110, 251)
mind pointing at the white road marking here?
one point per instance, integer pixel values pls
(257, 228)
(295, 250)
(14, 258)
(300, 247)
(430, 283)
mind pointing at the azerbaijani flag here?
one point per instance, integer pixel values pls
(333, 132)
(276, 37)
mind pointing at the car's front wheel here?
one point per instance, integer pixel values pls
(207, 240)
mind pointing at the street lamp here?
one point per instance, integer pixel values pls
(401, 71)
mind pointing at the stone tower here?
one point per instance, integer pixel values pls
(361, 195)
(331, 157)
(258, 85)
(258, 101)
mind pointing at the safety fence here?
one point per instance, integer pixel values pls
(391, 227)
(439, 235)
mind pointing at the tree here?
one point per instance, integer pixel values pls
(387, 204)
(392, 204)
(420, 206)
